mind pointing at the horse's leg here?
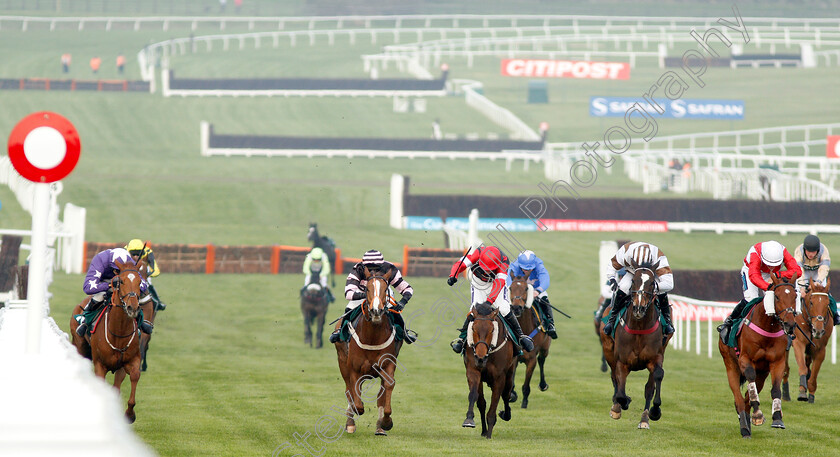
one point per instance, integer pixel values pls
(119, 376)
(498, 387)
(133, 369)
(615, 410)
(658, 376)
(513, 396)
(144, 349)
(755, 381)
(320, 333)
(505, 415)
(541, 360)
(307, 330)
(474, 383)
(785, 386)
(801, 363)
(384, 401)
(644, 422)
(526, 385)
(733, 374)
(482, 408)
(819, 357)
(777, 369)
(622, 371)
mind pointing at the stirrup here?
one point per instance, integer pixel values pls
(457, 345)
(526, 343)
(335, 336)
(409, 336)
(550, 330)
(81, 330)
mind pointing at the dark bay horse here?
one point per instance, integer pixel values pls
(149, 313)
(326, 244)
(313, 305)
(520, 294)
(115, 344)
(371, 353)
(761, 351)
(599, 314)
(815, 319)
(638, 344)
(488, 357)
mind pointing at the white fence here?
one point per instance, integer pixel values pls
(65, 238)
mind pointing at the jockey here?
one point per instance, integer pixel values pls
(317, 263)
(102, 270)
(489, 283)
(640, 254)
(531, 266)
(812, 257)
(354, 290)
(762, 260)
(141, 251)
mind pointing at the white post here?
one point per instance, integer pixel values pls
(36, 287)
(709, 311)
(472, 233)
(698, 311)
(834, 348)
(397, 191)
(605, 255)
(205, 138)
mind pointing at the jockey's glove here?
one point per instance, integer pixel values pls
(452, 280)
(613, 284)
(400, 304)
(359, 295)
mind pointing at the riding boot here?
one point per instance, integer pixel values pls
(335, 336)
(620, 296)
(665, 309)
(599, 314)
(458, 343)
(330, 297)
(726, 326)
(409, 336)
(524, 340)
(832, 305)
(159, 305)
(549, 318)
(91, 305)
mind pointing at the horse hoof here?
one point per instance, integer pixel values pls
(468, 423)
(513, 396)
(543, 387)
(603, 367)
(380, 432)
(747, 436)
(351, 429)
(615, 414)
(644, 426)
(524, 404)
(810, 398)
(785, 397)
(387, 424)
(131, 417)
(655, 413)
(505, 415)
(778, 424)
(758, 421)
(803, 396)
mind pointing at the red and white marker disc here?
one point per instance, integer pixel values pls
(44, 147)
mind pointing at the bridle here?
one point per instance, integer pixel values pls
(806, 310)
(524, 298)
(790, 310)
(644, 296)
(491, 346)
(122, 304)
(366, 311)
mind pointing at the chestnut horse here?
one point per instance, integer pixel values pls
(115, 344)
(761, 351)
(313, 305)
(488, 357)
(638, 344)
(809, 357)
(520, 294)
(371, 353)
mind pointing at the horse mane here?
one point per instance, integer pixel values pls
(484, 309)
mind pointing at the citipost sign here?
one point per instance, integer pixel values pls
(538, 68)
(677, 109)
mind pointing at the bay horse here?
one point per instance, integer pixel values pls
(326, 244)
(115, 345)
(313, 305)
(762, 345)
(488, 358)
(809, 357)
(371, 353)
(521, 293)
(639, 343)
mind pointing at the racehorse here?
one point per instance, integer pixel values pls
(598, 324)
(520, 294)
(810, 354)
(115, 345)
(762, 345)
(313, 305)
(325, 243)
(488, 357)
(149, 308)
(371, 353)
(638, 344)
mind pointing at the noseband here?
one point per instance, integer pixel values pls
(650, 296)
(790, 310)
(491, 347)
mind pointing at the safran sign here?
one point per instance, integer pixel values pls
(538, 68)
(665, 108)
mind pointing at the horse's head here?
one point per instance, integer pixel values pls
(313, 290)
(643, 289)
(485, 333)
(126, 287)
(784, 301)
(816, 307)
(378, 294)
(518, 294)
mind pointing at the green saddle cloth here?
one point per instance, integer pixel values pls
(732, 341)
(519, 352)
(356, 314)
(92, 316)
(606, 317)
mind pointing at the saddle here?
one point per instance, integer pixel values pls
(619, 321)
(738, 323)
(353, 319)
